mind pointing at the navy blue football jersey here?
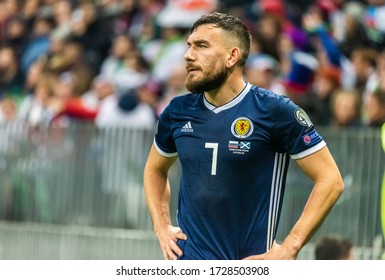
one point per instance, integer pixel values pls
(234, 162)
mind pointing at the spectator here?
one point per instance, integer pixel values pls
(117, 15)
(67, 55)
(268, 29)
(173, 20)
(34, 108)
(334, 247)
(62, 14)
(8, 110)
(33, 75)
(11, 79)
(364, 62)
(170, 47)
(262, 70)
(89, 30)
(299, 80)
(346, 109)
(121, 110)
(66, 104)
(328, 52)
(134, 73)
(31, 10)
(16, 35)
(377, 79)
(150, 93)
(125, 66)
(353, 34)
(143, 17)
(8, 10)
(327, 81)
(39, 42)
(285, 49)
(122, 47)
(74, 61)
(147, 37)
(175, 85)
(373, 19)
(375, 108)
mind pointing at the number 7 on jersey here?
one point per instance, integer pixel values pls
(213, 146)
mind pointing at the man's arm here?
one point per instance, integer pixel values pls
(328, 186)
(157, 191)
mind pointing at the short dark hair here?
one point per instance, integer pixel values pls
(332, 247)
(379, 94)
(231, 24)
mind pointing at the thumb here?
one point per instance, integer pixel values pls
(181, 235)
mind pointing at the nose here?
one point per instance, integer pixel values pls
(188, 56)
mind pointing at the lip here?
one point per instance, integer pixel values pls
(192, 69)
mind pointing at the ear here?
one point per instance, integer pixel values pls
(233, 57)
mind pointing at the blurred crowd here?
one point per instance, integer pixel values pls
(119, 62)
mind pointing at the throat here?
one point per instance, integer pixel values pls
(223, 96)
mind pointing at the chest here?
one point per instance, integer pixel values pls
(227, 138)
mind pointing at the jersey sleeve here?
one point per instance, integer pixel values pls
(293, 131)
(164, 141)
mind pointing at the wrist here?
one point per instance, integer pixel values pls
(292, 245)
(158, 227)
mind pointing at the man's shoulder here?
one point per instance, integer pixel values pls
(263, 92)
(183, 100)
(266, 96)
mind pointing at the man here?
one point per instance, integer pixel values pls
(233, 141)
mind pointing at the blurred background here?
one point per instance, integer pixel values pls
(82, 84)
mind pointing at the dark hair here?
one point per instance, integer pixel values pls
(332, 247)
(379, 94)
(233, 25)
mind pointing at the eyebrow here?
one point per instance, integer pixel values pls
(198, 41)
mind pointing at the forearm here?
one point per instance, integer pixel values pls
(157, 188)
(318, 206)
(158, 198)
(157, 191)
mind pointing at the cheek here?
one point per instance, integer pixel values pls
(213, 59)
(214, 65)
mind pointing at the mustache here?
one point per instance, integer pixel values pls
(190, 66)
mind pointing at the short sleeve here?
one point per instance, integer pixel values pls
(293, 131)
(164, 141)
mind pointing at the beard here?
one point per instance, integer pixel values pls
(209, 82)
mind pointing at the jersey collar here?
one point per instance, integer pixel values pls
(229, 104)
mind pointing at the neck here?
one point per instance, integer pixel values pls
(230, 89)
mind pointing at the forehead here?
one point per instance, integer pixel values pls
(207, 32)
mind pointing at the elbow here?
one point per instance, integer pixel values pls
(339, 185)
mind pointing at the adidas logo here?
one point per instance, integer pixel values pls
(187, 128)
